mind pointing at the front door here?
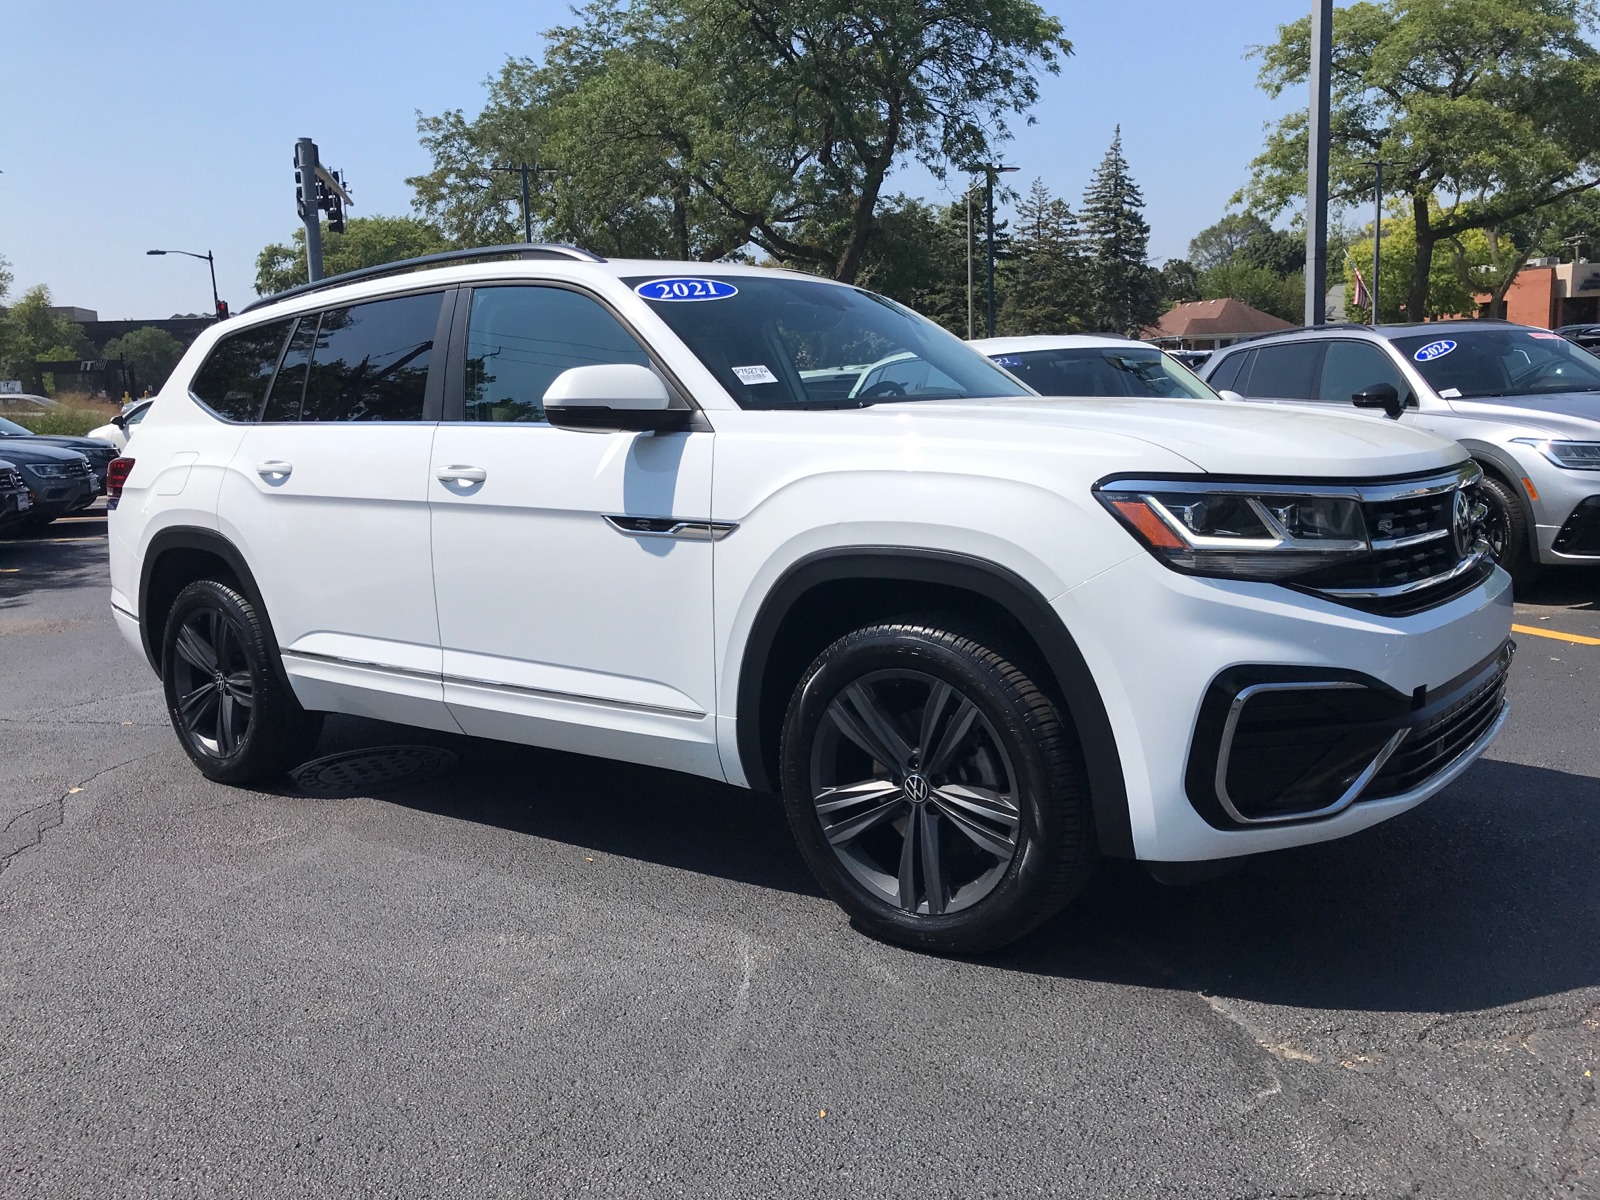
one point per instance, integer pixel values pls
(327, 498)
(572, 569)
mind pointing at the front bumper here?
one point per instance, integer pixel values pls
(1157, 641)
(1561, 532)
(15, 506)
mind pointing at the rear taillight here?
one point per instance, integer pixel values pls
(116, 476)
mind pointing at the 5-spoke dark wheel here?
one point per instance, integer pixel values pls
(1506, 530)
(934, 788)
(233, 716)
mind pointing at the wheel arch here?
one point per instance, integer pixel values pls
(175, 558)
(1503, 467)
(880, 580)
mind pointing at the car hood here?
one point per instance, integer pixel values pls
(1226, 438)
(1575, 414)
(27, 450)
(83, 445)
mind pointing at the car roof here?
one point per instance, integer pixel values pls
(1062, 341)
(1387, 332)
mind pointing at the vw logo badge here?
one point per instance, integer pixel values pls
(916, 789)
(1461, 524)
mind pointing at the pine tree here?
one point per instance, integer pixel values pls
(1125, 298)
(1046, 289)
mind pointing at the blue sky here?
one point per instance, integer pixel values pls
(126, 127)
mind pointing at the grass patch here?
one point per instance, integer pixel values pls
(74, 416)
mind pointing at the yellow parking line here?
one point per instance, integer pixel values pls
(1557, 634)
(49, 541)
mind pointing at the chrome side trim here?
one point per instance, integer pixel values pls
(365, 664)
(1461, 568)
(438, 677)
(115, 607)
(671, 527)
(1349, 795)
(1450, 771)
(551, 694)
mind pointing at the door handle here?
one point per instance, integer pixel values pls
(275, 466)
(461, 474)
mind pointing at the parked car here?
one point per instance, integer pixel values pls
(60, 479)
(1193, 359)
(1587, 336)
(975, 636)
(97, 451)
(16, 498)
(25, 402)
(1523, 401)
(120, 428)
(1082, 364)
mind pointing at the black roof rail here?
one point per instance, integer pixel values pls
(515, 250)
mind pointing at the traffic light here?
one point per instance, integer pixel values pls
(222, 310)
(330, 202)
(300, 194)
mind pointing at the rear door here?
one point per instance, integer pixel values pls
(327, 498)
(1283, 374)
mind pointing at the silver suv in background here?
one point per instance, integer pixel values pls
(1524, 402)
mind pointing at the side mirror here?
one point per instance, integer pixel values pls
(1229, 394)
(612, 396)
(121, 422)
(1380, 395)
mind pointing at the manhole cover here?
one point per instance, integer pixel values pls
(362, 772)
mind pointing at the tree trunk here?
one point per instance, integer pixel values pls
(1417, 296)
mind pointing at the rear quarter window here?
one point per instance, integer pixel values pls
(233, 380)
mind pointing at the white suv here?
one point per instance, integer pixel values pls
(683, 515)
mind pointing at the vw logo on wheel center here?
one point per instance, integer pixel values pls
(916, 789)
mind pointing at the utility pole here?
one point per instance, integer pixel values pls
(969, 261)
(305, 175)
(1317, 163)
(990, 170)
(523, 169)
(1377, 165)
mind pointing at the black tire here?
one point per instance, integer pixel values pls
(1508, 531)
(225, 693)
(1014, 764)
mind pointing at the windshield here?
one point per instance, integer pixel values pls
(12, 429)
(1461, 364)
(1131, 370)
(791, 343)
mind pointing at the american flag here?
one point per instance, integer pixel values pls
(1363, 300)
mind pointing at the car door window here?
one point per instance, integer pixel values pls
(520, 338)
(370, 361)
(1285, 372)
(137, 415)
(1353, 367)
(234, 379)
(288, 389)
(1227, 373)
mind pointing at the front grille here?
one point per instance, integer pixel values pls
(1581, 533)
(1432, 746)
(10, 479)
(77, 469)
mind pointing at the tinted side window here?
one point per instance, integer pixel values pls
(1227, 371)
(233, 381)
(1286, 372)
(520, 338)
(370, 361)
(283, 404)
(1353, 367)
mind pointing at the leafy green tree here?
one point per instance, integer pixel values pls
(1180, 282)
(693, 128)
(1447, 295)
(151, 352)
(30, 334)
(918, 256)
(6, 277)
(1116, 239)
(1283, 296)
(1484, 109)
(1222, 242)
(1046, 277)
(366, 242)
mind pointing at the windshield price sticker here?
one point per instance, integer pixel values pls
(1449, 393)
(686, 289)
(1434, 350)
(1551, 337)
(754, 375)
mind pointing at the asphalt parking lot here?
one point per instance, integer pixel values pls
(541, 974)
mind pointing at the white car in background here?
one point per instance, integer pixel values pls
(974, 635)
(120, 428)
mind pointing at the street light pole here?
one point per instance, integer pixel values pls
(523, 169)
(216, 302)
(969, 261)
(1317, 163)
(990, 170)
(1377, 165)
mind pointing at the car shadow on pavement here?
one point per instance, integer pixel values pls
(1484, 896)
(1487, 895)
(31, 565)
(617, 808)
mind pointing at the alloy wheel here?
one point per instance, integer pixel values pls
(915, 792)
(213, 685)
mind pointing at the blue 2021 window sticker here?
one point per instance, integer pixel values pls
(1434, 350)
(686, 289)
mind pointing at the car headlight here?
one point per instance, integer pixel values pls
(1575, 456)
(48, 470)
(1257, 530)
